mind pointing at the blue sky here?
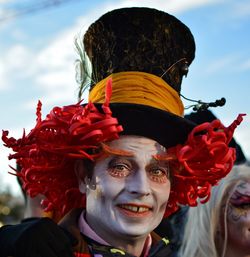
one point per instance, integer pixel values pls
(37, 59)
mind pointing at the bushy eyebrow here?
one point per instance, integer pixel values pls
(156, 158)
(164, 157)
(115, 151)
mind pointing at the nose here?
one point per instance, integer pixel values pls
(139, 183)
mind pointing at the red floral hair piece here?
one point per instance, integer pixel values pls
(48, 153)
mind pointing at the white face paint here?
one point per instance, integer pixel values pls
(238, 218)
(130, 194)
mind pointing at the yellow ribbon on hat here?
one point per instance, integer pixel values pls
(139, 88)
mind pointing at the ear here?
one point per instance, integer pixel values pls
(81, 175)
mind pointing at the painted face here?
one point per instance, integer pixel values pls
(130, 193)
(238, 217)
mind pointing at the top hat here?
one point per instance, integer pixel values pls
(146, 52)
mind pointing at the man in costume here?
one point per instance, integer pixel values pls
(119, 164)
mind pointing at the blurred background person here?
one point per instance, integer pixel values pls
(221, 227)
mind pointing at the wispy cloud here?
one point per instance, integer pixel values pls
(245, 65)
(13, 62)
(234, 11)
(17, 60)
(241, 9)
(3, 77)
(223, 62)
(4, 10)
(230, 63)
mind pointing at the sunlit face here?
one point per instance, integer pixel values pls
(128, 194)
(238, 217)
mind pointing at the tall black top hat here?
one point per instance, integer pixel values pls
(140, 39)
(160, 48)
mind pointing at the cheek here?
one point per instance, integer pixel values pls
(109, 187)
(237, 215)
(162, 192)
(239, 229)
(238, 220)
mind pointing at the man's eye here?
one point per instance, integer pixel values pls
(159, 175)
(120, 167)
(158, 172)
(119, 170)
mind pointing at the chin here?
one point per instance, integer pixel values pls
(134, 230)
(136, 234)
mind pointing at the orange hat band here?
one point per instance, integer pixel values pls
(139, 88)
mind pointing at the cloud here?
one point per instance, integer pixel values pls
(245, 65)
(3, 77)
(18, 59)
(5, 12)
(55, 75)
(241, 9)
(228, 63)
(3, 2)
(220, 64)
(16, 62)
(234, 12)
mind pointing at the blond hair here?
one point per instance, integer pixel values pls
(203, 228)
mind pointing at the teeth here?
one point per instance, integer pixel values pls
(134, 208)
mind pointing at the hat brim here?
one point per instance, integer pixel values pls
(141, 120)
